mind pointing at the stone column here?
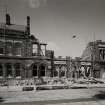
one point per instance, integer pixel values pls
(13, 71)
(58, 72)
(45, 71)
(21, 71)
(65, 73)
(45, 50)
(4, 70)
(29, 72)
(25, 72)
(37, 70)
(68, 63)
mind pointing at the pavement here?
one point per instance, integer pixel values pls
(52, 97)
(58, 103)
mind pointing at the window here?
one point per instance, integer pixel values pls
(35, 49)
(55, 73)
(42, 70)
(63, 71)
(9, 70)
(102, 54)
(43, 49)
(1, 70)
(17, 69)
(35, 73)
(18, 49)
(9, 48)
(1, 47)
(1, 51)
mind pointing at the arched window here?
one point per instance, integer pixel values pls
(55, 73)
(17, 69)
(34, 70)
(63, 71)
(42, 70)
(9, 70)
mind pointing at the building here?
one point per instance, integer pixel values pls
(94, 53)
(62, 67)
(22, 55)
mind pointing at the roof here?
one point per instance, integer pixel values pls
(13, 27)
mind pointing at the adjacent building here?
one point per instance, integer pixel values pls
(95, 55)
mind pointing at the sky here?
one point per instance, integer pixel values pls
(55, 22)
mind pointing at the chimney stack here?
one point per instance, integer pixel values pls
(28, 25)
(8, 19)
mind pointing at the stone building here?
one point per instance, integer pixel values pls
(94, 53)
(62, 67)
(22, 55)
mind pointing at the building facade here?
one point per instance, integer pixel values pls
(22, 55)
(95, 54)
(62, 67)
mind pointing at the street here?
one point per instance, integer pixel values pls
(53, 97)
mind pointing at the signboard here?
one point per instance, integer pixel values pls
(85, 63)
(59, 62)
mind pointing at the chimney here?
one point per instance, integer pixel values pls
(28, 25)
(8, 19)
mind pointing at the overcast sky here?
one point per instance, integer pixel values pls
(56, 21)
